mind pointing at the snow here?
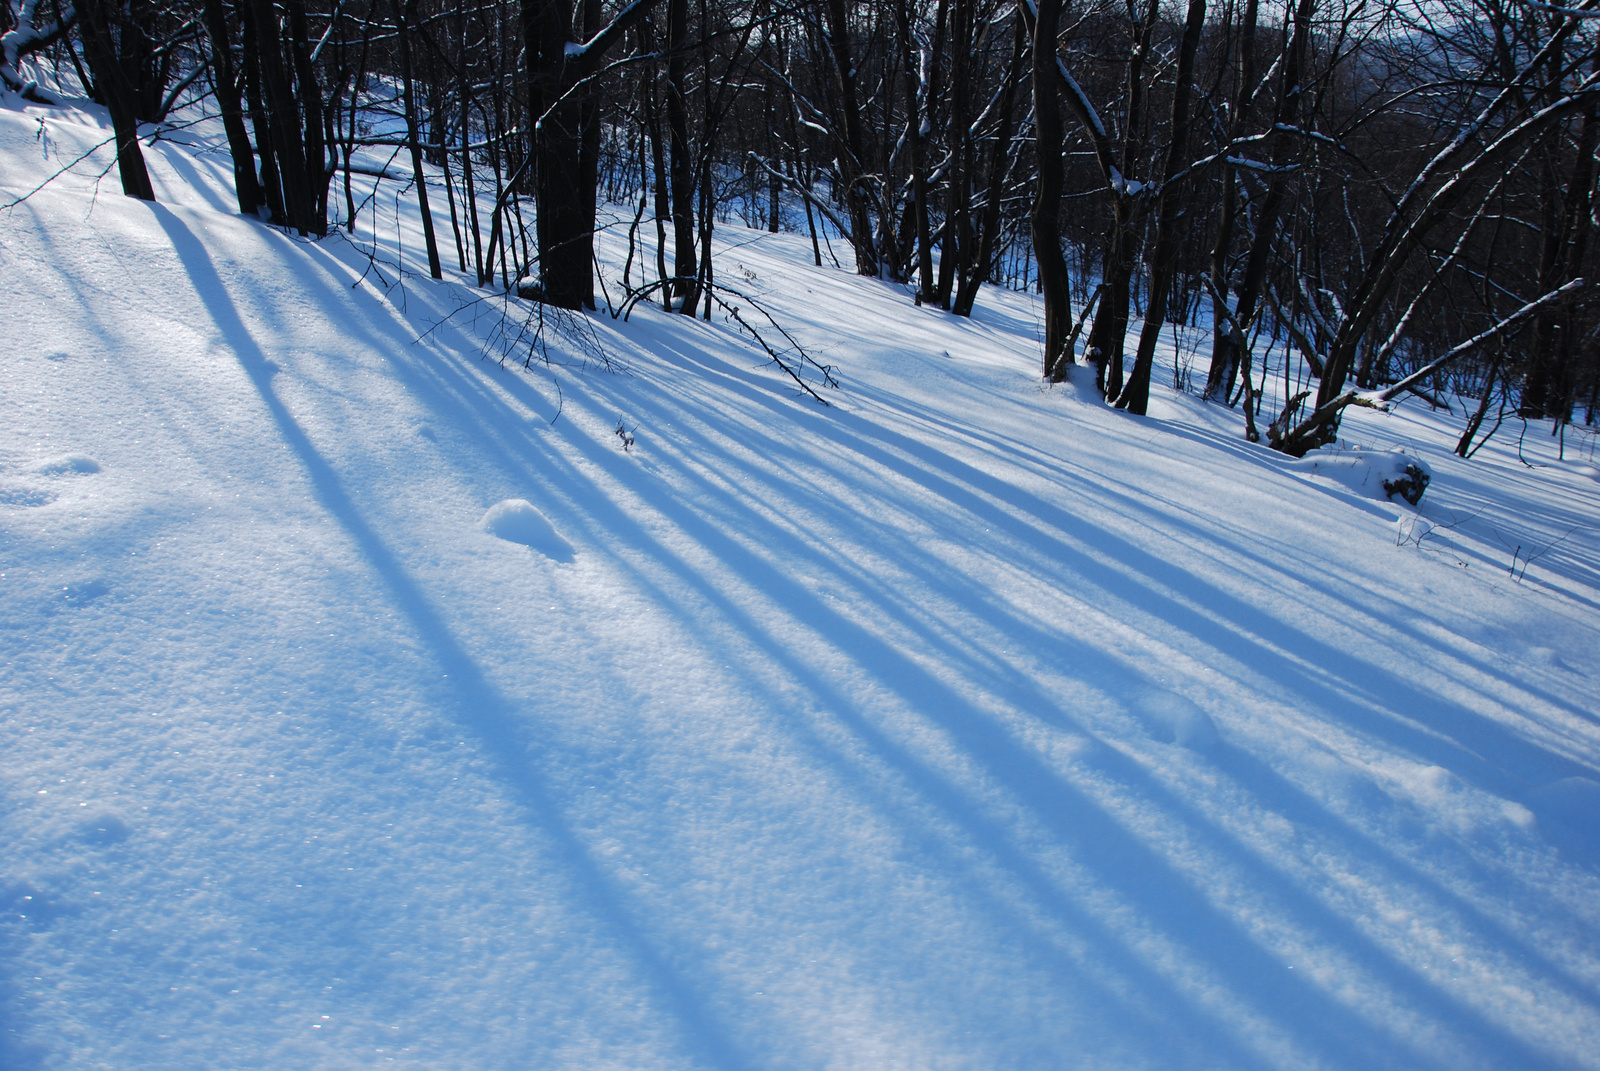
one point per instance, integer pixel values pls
(1368, 473)
(516, 520)
(366, 700)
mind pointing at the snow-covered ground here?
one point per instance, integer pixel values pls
(365, 700)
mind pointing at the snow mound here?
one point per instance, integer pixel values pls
(1375, 474)
(1173, 719)
(517, 521)
(71, 465)
(1573, 802)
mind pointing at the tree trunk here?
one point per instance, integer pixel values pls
(1135, 397)
(283, 121)
(995, 180)
(1224, 370)
(271, 179)
(566, 276)
(919, 124)
(852, 151)
(1108, 336)
(119, 92)
(1564, 230)
(955, 251)
(407, 9)
(561, 107)
(309, 96)
(226, 77)
(1284, 146)
(685, 268)
(1049, 139)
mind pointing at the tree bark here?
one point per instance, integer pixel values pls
(100, 48)
(1049, 140)
(407, 11)
(685, 267)
(1135, 396)
(852, 147)
(1224, 369)
(226, 78)
(565, 160)
(955, 251)
(283, 122)
(995, 181)
(1108, 336)
(1284, 147)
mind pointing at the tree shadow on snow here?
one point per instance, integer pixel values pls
(1135, 873)
(1060, 929)
(479, 707)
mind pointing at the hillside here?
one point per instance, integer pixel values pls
(366, 699)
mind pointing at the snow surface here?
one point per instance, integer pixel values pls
(367, 701)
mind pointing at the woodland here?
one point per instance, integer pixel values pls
(1400, 194)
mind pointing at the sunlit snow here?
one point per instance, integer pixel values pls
(366, 699)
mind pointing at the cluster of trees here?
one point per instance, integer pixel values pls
(1400, 194)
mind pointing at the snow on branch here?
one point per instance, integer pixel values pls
(1306, 431)
(1383, 397)
(25, 38)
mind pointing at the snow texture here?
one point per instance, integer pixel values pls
(963, 723)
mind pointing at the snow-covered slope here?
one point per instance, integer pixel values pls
(366, 701)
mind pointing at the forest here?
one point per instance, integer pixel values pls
(737, 535)
(1401, 195)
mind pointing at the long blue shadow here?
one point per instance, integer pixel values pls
(1038, 785)
(479, 707)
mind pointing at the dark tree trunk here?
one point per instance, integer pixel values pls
(685, 267)
(120, 95)
(995, 181)
(566, 278)
(1284, 147)
(285, 125)
(1224, 370)
(955, 251)
(230, 103)
(919, 121)
(1564, 233)
(1108, 336)
(271, 180)
(1135, 397)
(852, 151)
(309, 96)
(407, 12)
(1049, 139)
(562, 109)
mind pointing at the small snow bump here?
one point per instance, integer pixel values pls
(1546, 656)
(70, 465)
(517, 521)
(1572, 802)
(1174, 719)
